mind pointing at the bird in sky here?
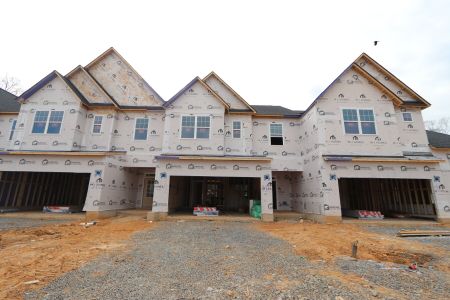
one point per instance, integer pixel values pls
(375, 43)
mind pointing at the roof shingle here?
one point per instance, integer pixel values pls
(438, 140)
(8, 102)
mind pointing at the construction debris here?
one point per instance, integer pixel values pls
(205, 211)
(31, 282)
(363, 214)
(88, 224)
(405, 233)
(59, 209)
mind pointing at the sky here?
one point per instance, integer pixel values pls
(271, 52)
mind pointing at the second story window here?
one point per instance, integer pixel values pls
(55, 121)
(203, 125)
(195, 127)
(407, 117)
(188, 127)
(236, 129)
(97, 127)
(47, 122)
(276, 134)
(141, 129)
(13, 128)
(359, 121)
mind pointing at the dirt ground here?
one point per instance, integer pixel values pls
(46, 252)
(330, 241)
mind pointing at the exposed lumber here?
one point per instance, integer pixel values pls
(405, 233)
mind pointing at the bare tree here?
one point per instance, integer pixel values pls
(11, 84)
(442, 125)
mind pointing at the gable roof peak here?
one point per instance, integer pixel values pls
(189, 85)
(372, 61)
(214, 74)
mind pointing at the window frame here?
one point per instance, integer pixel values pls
(195, 127)
(233, 129)
(61, 122)
(134, 131)
(12, 129)
(359, 120)
(282, 135)
(47, 122)
(403, 116)
(101, 125)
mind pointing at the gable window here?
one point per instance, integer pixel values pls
(97, 127)
(203, 125)
(236, 129)
(188, 127)
(141, 129)
(359, 121)
(13, 128)
(351, 121)
(45, 124)
(55, 121)
(40, 122)
(407, 117)
(276, 134)
(195, 127)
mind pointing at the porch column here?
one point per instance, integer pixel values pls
(160, 207)
(266, 197)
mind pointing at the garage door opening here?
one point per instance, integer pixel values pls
(34, 190)
(392, 197)
(227, 194)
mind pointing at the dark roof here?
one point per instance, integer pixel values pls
(8, 102)
(275, 110)
(438, 140)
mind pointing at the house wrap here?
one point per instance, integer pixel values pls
(101, 139)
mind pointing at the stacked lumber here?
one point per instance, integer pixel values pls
(405, 233)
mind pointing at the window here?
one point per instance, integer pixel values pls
(55, 121)
(13, 128)
(351, 121)
(40, 122)
(43, 124)
(203, 124)
(195, 127)
(141, 129)
(97, 128)
(276, 134)
(236, 129)
(407, 117)
(187, 127)
(367, 121)
(359, 121)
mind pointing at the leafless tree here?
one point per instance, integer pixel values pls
(11, 84)
(442, 125)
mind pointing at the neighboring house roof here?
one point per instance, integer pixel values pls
(438, 140)
(275, 110)
(8, 102)
(213, 74)
(188, 86)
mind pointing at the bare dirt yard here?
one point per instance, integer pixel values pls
(330, 241)
(130, 258)
(34, 249)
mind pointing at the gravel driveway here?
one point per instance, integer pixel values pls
(211, 260)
